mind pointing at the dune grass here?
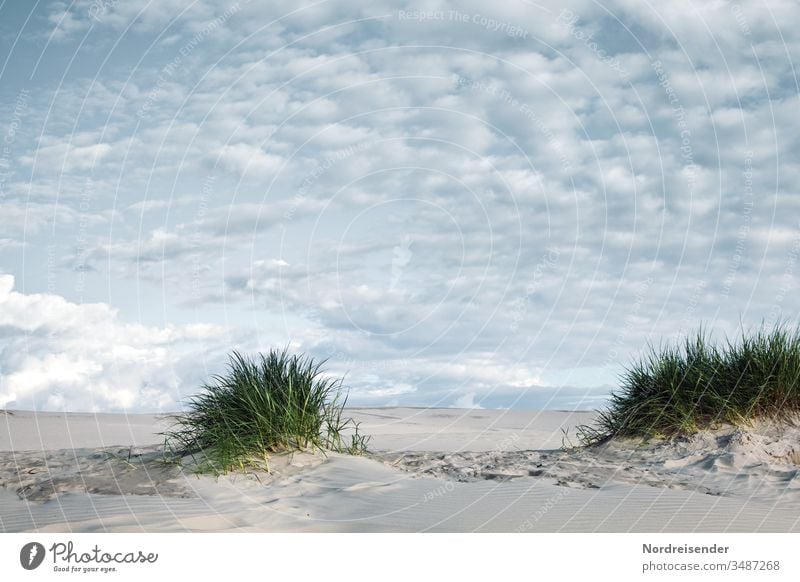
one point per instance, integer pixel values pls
(680, 389)
(273, 403)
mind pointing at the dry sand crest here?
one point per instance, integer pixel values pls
(430, 470)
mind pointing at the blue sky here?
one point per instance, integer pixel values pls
(458, 205)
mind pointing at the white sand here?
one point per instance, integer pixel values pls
(431, 470)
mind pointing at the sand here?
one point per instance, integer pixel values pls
(429, 470)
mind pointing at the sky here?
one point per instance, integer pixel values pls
(470, 204)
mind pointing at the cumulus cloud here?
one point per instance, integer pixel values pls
(61, 355)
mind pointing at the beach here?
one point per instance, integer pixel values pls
(438, 470)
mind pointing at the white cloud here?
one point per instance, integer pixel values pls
(246, 159)
(468, 211)
(27, 219)
(467, 401)
(61, 355)
(66, 23)
(62, 157)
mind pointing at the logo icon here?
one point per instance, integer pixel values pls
(31, 555)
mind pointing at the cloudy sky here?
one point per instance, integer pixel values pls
(481, 204)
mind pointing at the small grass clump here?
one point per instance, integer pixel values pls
(680, 389)
(270, 404)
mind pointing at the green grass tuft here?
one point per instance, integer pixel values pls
(270, 404)
(680, 389)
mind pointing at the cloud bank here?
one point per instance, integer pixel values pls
(468, 204)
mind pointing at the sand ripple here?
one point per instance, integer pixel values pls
(41, 475)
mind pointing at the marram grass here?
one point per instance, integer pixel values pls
(273, 403)
(695, 385)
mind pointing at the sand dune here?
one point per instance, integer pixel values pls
(430, 470)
